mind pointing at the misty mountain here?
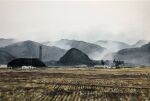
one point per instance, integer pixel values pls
(5, 57)
(30, 49)
(6, 42)
(92, 50)
(115, 46)
(140, 43)
(138, 56)
(112, 46)
(75, 57)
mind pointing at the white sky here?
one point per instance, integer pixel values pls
(120, 20)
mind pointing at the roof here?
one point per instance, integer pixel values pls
(19, 62)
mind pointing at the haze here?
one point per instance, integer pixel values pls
(124, 20)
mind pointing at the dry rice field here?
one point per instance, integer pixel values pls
(75, 84)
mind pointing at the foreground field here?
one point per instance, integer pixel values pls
(75, 84)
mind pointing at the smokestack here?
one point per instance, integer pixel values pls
(40, 53)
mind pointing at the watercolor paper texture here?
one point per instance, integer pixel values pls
(74, 50)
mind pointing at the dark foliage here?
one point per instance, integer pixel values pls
(118, 63)
(75, 57)
(19, 62)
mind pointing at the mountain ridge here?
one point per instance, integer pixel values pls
(139, 55)
(6, 42)
(30, 49)
(89, 48)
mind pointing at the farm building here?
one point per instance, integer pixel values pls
(3, 66)
(19, 62)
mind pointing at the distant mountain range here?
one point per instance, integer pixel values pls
(89, 48)
(115, 46)
(112, 46)
(140, 43)
(137, 53)
(6, 42)
(30, 49)
(138, 56)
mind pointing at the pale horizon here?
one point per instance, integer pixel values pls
(126, 21)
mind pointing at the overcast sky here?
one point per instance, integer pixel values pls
(46, 20)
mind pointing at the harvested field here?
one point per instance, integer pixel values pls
(75, 84)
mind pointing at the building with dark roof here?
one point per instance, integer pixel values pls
(19, 62)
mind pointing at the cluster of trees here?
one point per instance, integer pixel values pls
(116, 63)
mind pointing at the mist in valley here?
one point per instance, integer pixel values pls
(100, 29)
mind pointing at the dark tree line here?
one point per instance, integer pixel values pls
(116, 63)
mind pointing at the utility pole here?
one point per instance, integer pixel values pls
(40, 53)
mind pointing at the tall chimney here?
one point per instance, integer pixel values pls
(40, 53)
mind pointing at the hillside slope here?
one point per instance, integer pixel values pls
(139, 56)
(30, 49)
(92, 50)
(75, 57)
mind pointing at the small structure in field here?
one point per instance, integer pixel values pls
(3, 66)
(28, 67)
(22, 62)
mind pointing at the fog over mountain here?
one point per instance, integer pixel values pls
(112, 46)
(92, 50)
(137, 53)
(105, 50)
(138, 56)
(124, 22)
(30, 49)
(6, 42)
(140, 43)
(115, 46)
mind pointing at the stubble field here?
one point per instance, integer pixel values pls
(75, 84)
